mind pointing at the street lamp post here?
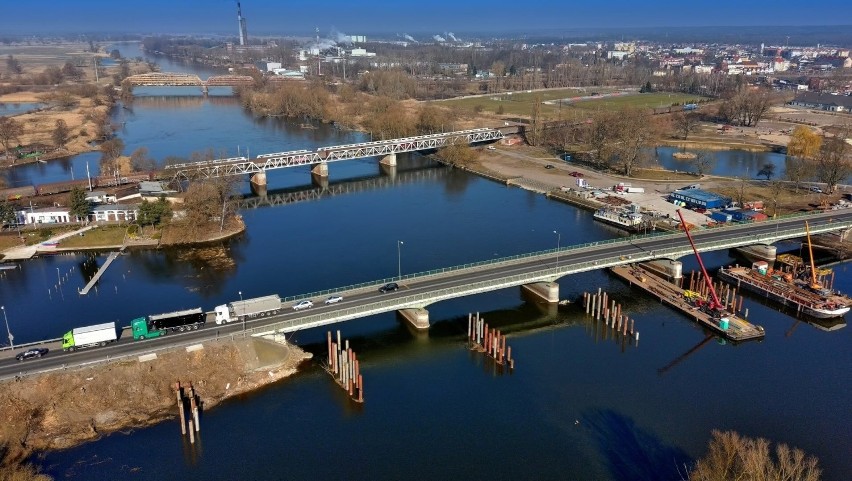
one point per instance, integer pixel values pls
(558, 245)
(244, 311)
(8, 332)
(399, 244)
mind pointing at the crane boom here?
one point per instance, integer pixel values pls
(716, 303)
(814, 283)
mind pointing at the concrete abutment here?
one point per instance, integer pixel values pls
(546, 291)
(417, 318)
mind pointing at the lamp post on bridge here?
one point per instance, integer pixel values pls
(399, 244)
(243, 316)
(558, 245)
(8, 332)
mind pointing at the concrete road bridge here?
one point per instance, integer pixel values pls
(319, 159)
(535, 272)
(164, 79)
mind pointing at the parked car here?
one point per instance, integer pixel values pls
(389, 287)
(491, 147)
(30, 353)
(816, 189)
(303, 305)
(549, 166)
(334, 299)
(576, 174)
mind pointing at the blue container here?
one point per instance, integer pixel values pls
(720, 217)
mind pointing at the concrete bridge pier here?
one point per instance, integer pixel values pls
(389, 160)
(546, 291)
(759, 252)
(259, 179)
(417, 318)
(258, 190)
(319, 175)
(204, 90)
(668, 268)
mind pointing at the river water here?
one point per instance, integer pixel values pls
(577, 406)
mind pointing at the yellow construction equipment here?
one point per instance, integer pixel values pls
(814, 284)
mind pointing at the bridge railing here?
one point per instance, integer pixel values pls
(532, 255)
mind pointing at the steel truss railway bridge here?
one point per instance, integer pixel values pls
(158, 79)
(319, 159)
(536, 272)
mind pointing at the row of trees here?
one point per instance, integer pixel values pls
(814, 156)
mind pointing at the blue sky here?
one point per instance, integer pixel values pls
(289, 17)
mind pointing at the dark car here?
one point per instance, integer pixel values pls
(549, 166)
(30, 353)
(576, 174)
(389, 287)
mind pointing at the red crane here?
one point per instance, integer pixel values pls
(715, 304)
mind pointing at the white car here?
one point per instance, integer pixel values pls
(491, 147)
(334, 299)
(303, 305)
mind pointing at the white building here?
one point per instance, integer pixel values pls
(115, 212)
(49, 215)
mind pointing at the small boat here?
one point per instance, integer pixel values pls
(8, 267)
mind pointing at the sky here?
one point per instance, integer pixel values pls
(426, 18)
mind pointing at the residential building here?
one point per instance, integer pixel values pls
(828, 102)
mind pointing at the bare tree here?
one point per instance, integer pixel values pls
(60, 134)
(686, 123)
(635, 133)
(833, 163)
(704, 162)
(731, 456)
(140, 160)
(110, 152)
(768, 170)
(14, 66)
(10, 131)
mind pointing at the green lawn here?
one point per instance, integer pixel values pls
(649, 100)
(521, 103)
(98, 237)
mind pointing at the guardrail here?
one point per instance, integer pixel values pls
(545, 253)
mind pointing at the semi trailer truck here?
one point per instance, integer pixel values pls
(160, 324)
(88, 336)
(247, 309)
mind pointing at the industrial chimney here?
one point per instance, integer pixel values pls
(242, 24)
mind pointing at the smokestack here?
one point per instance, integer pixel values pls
(242, 25)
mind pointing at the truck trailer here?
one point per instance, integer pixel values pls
(160, 324)
(97, 335)
(247, 309)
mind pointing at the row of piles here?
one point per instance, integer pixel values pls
(485, 339)
(600, 306)
(188, 403)
(727, 294)
(344, 366)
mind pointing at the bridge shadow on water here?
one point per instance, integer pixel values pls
(632, 453)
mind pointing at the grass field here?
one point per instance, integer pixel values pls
(649, 100)
(521, 103)
(98, 237)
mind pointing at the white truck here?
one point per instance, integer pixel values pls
(97, 335)
(247, 309)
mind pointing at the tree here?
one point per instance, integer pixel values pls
(731, 456)
(634, 134)
(115, 54)
(154, 213)
(704, 162)
(833, 163)
(207, 205)
(430, 119)
(458, 153)
(10, 130)
(60, 134)
(746, 106)
(13, 66)
(141, 161)
(72, 72)
(79, 206)
(536, 122)
(110, 152)
(804, 143)
(7, 213)
(686, 123)
(768, 171)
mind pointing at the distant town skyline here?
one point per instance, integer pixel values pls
(273, 17)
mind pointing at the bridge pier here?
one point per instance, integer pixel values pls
(546, 291)
(319, 175)
(760, 252)
(258, 190)
(418, 318)
(668, 268)
(204, 90)
(259, 179)
(389, 160)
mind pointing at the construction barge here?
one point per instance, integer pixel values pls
(812, 296)
(721, 321)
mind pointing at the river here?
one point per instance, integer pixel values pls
(577, 406)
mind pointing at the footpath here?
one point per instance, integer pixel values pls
(26, 252)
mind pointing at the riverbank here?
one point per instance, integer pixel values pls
(63, 409)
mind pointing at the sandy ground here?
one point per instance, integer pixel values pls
(64, 409)
(528, 169)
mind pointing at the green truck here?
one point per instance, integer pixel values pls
(160, 324)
